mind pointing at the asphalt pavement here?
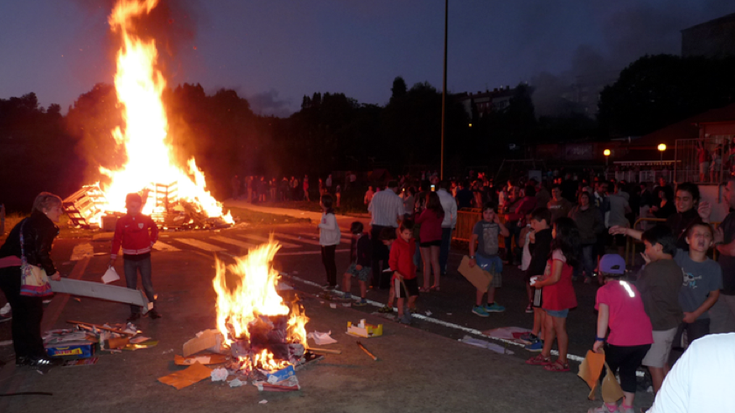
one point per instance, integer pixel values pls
(421, 368)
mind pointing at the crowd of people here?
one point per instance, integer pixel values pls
(258, 189)
(558, 231)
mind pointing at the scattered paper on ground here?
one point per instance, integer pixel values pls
(508, 333)
(219, 374)
(186, 377)
(321, 338)
(236, 383)
(485, 344)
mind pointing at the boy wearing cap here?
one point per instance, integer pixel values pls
(136, 233)
(620, 309)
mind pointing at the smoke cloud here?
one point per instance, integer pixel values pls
(631, 30)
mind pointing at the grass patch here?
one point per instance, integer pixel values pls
(262, 218)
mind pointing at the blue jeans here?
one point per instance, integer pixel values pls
(588, 260)
(131, 279)
(444, 249)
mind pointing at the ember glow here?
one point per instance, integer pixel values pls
(251, 315)
(150, 161)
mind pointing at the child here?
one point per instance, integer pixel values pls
(361, 255)
(487, 232)
(558, 293)
(430, 234)
(404, 272)
(659, 283)
(702, 280)
(540, 247)
(620, 308)
(524, 240)
(387, 237)
(136, 233)
(329, 238)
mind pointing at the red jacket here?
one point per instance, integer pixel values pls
(136, 234)
(401, 257)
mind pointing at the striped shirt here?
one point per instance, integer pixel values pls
(386, 208)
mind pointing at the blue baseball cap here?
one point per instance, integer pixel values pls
(612, 264)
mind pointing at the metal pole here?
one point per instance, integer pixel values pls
(444, 85)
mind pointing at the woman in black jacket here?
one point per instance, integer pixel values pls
(39, 232)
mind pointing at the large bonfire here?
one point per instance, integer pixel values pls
(144, 136)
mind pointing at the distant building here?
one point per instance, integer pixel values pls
(486, 102)
(714, 39)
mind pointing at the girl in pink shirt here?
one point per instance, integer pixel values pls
(621, 310)
(558, 293)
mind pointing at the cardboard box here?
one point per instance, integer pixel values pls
(78, 350)
(364, 329)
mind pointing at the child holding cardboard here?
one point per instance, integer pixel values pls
(486, 233)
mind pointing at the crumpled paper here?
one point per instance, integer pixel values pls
(236, 383)
(219, 374)
(321, 338)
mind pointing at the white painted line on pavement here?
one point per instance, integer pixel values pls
(299, 239)
(235, 242)
(266, 239)
(162, 246)
(345, 239)
(439, 322)
(200, 244)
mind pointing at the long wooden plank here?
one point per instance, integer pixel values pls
(101, 291)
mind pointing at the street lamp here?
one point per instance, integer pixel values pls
(606, 152)
(662, 148)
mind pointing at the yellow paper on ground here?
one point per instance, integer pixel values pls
(479, 278)
(184, 378)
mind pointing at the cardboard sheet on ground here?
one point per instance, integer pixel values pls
(479, 278)
(184, 378)
(590, 371)
(207, 359)
(205, 340)
(101, 291)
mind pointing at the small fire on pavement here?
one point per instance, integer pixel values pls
(261, 330)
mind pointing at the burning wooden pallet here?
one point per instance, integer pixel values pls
(85, 206)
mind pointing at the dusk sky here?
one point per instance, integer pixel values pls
(273, 52)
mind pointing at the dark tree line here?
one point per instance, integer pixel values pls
(42, 150)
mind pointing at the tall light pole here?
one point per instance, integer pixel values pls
(444, 86)
(661, 148)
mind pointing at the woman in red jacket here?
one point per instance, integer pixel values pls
(430, 235)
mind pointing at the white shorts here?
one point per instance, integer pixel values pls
(658, 354)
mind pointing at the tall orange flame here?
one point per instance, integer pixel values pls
(139, 85)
